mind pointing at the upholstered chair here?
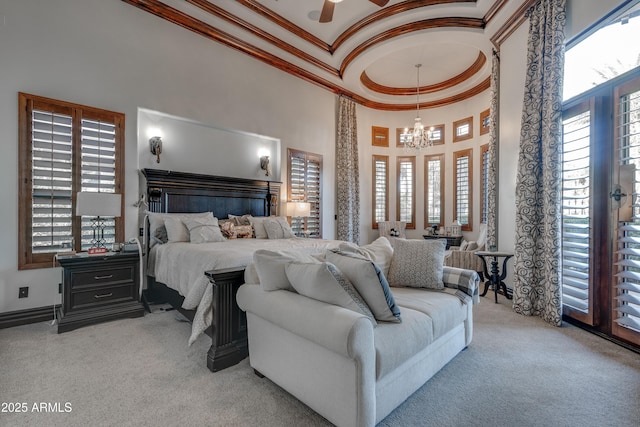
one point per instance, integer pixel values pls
(392, 229)
(464, 256)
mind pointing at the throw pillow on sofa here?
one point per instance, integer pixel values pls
(369, 281)
(270, 266)
(417, 264)
(379, 251)
(324, 282)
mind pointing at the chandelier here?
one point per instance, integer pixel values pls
(420, 137)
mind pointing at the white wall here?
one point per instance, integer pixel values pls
(110, 55)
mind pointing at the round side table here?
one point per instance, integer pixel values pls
(495, 276)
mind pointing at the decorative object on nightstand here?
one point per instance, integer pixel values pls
(98, 205)
(98, 288)
(298, 211)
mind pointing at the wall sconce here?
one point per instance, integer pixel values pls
(264, 164)
(155, 146)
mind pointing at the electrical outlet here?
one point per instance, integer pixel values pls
(59, 288)
(23, 292)
(141, 231)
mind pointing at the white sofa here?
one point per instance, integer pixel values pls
(342, 366)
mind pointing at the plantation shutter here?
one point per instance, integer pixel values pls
(305, 174)
(484, 184)
(98, 171)
(462, 188)
(380, 189)
(576, 215)
(406, 190)
(626, 298)
(434, 185)
(52, 180)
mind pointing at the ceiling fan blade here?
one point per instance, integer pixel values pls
(380, 3)
(327, 11)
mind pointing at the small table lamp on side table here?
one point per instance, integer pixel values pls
(495, 277)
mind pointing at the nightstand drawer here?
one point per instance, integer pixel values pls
(101, 296)
(102, 277)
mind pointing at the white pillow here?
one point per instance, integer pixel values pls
(177, 231)
(324, 282)
(203, 230)
(270, 267)
(418, 263)
(157, 228)
(277, 227)
(258, 226)
(369, 281)
(379, 251)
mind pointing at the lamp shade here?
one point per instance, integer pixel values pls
(98, 204)
(298, 209)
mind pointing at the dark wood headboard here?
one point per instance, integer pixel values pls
(169, 191)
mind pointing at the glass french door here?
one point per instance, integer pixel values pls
(600, 263)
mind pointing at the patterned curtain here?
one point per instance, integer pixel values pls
(492, 190)
(537, 248)
(347, 172)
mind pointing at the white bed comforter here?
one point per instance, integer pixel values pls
(181, 266)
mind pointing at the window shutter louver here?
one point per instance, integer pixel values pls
(380, 189)
(576, 214)
(434, 185)
(627, 288)
(406, 190)
(305, 174)
(462, 186)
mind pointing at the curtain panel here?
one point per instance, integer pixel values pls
(537, 288)
(347, 173)
(492, 187)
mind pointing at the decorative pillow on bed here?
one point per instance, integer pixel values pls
(203, 230)
(369, 281)
(417, 263)
(157, 229)
(240, 220)
(324, 282)
(244, 231)
(270, 266)
(228, 228)
(258, 226)
(379, 251)
(277, 227)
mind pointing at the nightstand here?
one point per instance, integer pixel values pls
(98, 288)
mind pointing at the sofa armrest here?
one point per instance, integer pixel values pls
(339, 329)
(466, 282)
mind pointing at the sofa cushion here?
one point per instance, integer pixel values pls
(324, 282)
(270, 266)
(379, 251)
(445, 310)
(395, 343)
(369, 281)
(417, 263)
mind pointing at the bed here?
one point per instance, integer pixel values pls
(201, 280)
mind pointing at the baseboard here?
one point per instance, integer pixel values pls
(24, 317)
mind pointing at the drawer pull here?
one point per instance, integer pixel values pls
(103, 295)
(103, 277)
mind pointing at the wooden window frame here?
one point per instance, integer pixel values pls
(318, 158)
(441, 128)
(385, 159)
(427, 159)
(411, 225)
(484, 117)
(456, 155)
(457, 124)
(26, 103)
(484, 196)
(379, 136)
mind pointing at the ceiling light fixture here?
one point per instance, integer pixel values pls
(419, 137)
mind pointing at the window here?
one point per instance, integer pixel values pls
(434, 190)
(64, 148)
(463, 129)
(485, 121)
(484, 183)
(406, 180)
(380, 195)
(462, 185)
(305, 185)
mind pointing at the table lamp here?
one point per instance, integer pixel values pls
(299, 210)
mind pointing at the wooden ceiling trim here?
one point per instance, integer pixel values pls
(270, 38)
(284, 23)
(446, 84)
(458, 22)
(512, 24)
(386, 13)
(493, 10)
(479, 88)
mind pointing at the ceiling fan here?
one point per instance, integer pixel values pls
(327, 9)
